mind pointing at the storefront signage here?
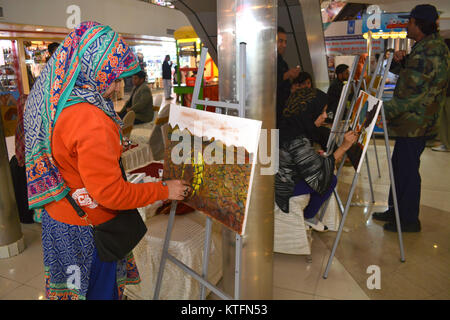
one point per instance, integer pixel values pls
(351, 27)
(385, 22)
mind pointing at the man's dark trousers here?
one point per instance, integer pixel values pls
(406, 164)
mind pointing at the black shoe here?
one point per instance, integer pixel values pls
(410, 227)
(384, 216)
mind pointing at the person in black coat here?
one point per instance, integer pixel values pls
(284, 74)
(167, 77)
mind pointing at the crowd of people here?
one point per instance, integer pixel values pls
(74, 143)
(412, 119)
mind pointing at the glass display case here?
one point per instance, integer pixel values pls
(9, 86)
(152, 57)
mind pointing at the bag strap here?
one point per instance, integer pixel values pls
(124, 175)
(83, 215)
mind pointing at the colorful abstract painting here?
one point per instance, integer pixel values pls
(216, 154)
(363, 120)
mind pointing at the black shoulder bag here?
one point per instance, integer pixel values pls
(115, 238)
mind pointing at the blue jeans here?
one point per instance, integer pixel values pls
(316, 200)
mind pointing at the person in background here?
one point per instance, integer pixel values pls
(302, 170)
(359, 67)
(303, 80)
(141, 100)
(412, 114)
(51, 48)
(73, 147)
(335, 89)
(284, 74)
(391, 78)
(167, 77)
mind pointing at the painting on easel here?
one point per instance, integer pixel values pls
(363, 120)
(337, 121)
(217, 154)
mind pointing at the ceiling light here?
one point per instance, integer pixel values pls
(39, 29)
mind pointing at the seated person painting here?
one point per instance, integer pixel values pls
(304, 108)
(141, 100)
(303, 80)
(302, 170)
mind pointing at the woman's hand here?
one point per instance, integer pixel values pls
(349, 139)
(178, 189)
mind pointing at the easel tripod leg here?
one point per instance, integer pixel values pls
(206, 250)
(165, 250)
(336, 195)
(341, 226)
(376, 156)
(394, 192)
(237, 272)
(370, 179)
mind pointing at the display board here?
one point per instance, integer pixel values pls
(217, 154)
(363, 120)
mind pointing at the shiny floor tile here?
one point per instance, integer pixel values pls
(286, 294)
(25, 293)
(424, 274)
(7, 285)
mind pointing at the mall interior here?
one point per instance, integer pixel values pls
(271, 254)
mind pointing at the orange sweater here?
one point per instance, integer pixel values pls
(86, 147)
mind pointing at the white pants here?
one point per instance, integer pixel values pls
(167, 88)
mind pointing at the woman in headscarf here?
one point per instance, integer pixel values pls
(301, 169)
(303, 80)
(303, 115)
(73, 147)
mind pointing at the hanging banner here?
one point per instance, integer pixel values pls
(351, 46)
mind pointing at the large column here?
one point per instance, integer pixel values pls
(11, 240)
(254, 22)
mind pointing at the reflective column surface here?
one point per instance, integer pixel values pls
(252, 22)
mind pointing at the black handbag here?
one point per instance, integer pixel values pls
(115, 238)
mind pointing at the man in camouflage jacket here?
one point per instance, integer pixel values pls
(413, 112)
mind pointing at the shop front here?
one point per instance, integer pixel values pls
(24, 54)
(188, 50)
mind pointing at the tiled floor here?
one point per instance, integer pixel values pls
(424, 275)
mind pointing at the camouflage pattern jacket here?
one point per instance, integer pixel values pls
(420, 91)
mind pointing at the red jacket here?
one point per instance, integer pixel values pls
(86, 147)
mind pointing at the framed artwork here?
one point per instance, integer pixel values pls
(363, 120)
(216, 154)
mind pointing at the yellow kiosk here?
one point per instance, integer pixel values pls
(188, 46)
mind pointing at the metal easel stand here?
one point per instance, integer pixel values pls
(352, 190)
(355, 178)
(333, 136)
(203, 278)
(378, 94)
(370, 89)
